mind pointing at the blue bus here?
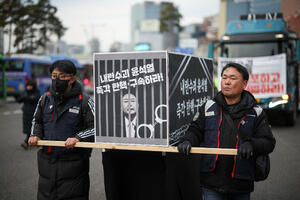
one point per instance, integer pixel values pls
(23, 67)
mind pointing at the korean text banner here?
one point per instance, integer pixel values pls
(131, 98)
(267, 74)
(148, 98)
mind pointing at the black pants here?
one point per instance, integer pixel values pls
(183, 177)
(138, 175)
(63, 176)
(134, 175)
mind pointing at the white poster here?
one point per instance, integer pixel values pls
(267, 74)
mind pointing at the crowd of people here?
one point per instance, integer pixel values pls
(232, 119)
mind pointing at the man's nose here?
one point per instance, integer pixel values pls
(227, 81)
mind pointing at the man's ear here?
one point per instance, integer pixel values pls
(73, 79)
(245, 83)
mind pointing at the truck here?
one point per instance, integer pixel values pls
(271, 53)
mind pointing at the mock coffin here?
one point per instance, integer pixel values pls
(148, 98)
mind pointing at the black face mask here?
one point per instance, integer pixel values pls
(59, 86)
(29, 91)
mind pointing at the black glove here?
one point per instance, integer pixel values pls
(246, 150)
(184, 147)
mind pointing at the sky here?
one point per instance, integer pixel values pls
(109, 20)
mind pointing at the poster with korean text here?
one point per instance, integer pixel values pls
(190, 86)
(131, 102)
(267, 74)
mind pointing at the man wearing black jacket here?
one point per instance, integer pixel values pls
(63, 114)
(230, 177)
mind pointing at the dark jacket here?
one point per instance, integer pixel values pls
(230, 174)
(29, 100)
(64, 172)
(60, 109)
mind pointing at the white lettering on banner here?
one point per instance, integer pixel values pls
(99, 90)
(116, 87)
(125, 73)
(193, 86)
(118, 75)
(114, 82)
(190, 107)
(135, 71)
(267, 74)
(148, 68)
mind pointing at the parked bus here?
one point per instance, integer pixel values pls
(23, 67)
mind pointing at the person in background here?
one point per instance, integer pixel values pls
(29, 98)
(63, 114)
(230, 177)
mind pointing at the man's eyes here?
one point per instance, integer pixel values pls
(232, 77)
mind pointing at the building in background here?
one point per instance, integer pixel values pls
(60, 47)
(145, 26)
(93, 45)
(119, 46)
(195, 38)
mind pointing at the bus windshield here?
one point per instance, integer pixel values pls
(250, 50)
(14, 65)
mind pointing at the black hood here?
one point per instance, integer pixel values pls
(239, 109)
(75, 91)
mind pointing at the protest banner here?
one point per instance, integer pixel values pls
(148, 98)
(267, 74)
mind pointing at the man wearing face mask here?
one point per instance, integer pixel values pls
(63, 114)
(29, 99)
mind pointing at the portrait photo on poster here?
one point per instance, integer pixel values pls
(131, 98)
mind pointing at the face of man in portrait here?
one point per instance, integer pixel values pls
(129, 104)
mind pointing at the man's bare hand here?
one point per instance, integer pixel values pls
(70, 142)
(32, 141)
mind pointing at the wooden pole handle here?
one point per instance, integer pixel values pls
(197, 150)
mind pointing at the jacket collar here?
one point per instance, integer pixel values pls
(239, 109)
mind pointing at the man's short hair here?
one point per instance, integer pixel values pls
(240, 68)
(65, 66)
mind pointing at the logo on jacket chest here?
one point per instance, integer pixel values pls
(74, 109)
(211, 113)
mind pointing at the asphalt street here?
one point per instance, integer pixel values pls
(19, 175)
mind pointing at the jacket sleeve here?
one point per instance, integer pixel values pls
(263, 140)
(88, 134)
(37, 128)
(195, 132)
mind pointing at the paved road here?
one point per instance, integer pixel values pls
(18, 168)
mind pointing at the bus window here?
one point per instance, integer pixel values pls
(39, 70)
(14, 65)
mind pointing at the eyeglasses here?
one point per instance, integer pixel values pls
(61, 76)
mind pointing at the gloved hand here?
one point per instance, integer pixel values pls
(184, 147)
(246, 150)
